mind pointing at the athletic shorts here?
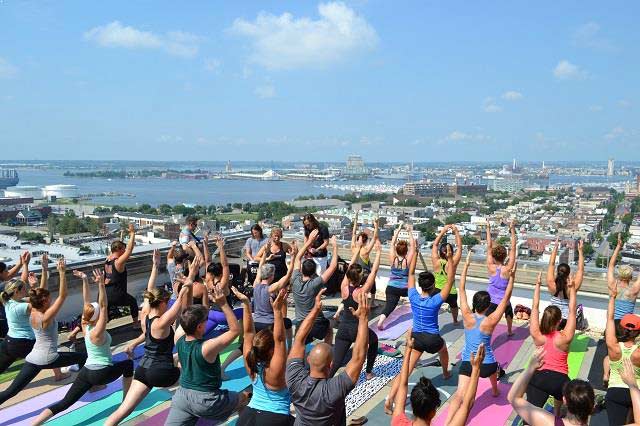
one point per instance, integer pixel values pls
(486, 370)
(508, 312)
(319, 330)
(253, 417)
(427, 342)
(263, 325)
(157, 376)
(451, 300)
(188, 405)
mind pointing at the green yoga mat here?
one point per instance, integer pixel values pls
(11, 372)
(577, 351)
(94, 414)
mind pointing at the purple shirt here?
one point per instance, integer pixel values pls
(497, 287)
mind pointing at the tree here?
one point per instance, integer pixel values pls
(32, 236)
(612, 239)
(503, 241)
(588, 249)
(469, 240)
(457, 218)
(627, 219)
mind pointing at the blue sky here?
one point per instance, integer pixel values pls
(396, 81)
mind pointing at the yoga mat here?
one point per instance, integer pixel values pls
(596, 371)
(160, 419)
(238, 378)
(95, 413)
(24, 412)
(11, 372)
(487, 408)
(395, 325)
(387, 350)
(446, 388)
(384, 369)
(577, 351)
(506, 347)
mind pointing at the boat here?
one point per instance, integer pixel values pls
(8, 177)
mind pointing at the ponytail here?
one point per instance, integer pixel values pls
(4, 297)
(562, 277)
(156, 296)
(261, 350)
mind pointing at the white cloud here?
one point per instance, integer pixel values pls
(265, 91)
(624, 103)
(212, 65)
(115, 34)
(565, 70)
(512, 95)
(615, 133)
(588, 36)
(489, 105)
(461, 136)
(7, 69)
(595, 108)
(285, 42)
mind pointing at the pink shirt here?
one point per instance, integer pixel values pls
(554, 359)
(401, 420)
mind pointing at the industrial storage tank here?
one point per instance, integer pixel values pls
(25, 191)
(60, 191)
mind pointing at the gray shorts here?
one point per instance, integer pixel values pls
(188, 405)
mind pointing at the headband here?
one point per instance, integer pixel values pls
(96, 311)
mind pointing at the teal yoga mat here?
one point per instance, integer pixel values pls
(94, 414)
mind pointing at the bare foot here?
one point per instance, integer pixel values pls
(456, 322)
(510, 333)
(380, 324)
(97, 388)
(388, 407)
(370, 376)
(496, 392)
(62, 376)
(446, 375)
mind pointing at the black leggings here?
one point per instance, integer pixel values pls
(30, 371)
(86, 379)
(116, 298)
(545, 383)
(618, 402)
(159, 376)
(12, 349)
(393, 297)
(346, 335)
(253, 417)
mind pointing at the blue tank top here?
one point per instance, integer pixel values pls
(269, 400)
(17, 314)
(623, 307)
(399, 277)
(472, 339)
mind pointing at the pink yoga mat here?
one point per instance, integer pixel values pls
(24, 412)
(506, 347)
(487, 410)
(396, 324)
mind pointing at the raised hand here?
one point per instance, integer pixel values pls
(156, 257)
(98, 276)
(334, 241)
(580, 245)
(537, 359)
(25, 257)
(467, 260)
(44, 261)
(515, 268)
(539, 279)
(512, 226)
(313, 235)
(363, 306)
(628, 373)
(571, 283)
(280, 300)
(32, 279)
(378, 246)
(319, 299)
(619, 244)
(132, 229)
(240, 296)
(219, 241)
(450, 253)
(79, 274)
(62, 265)
(478, 357)
(218, 296)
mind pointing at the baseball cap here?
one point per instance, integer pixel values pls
(630, 322)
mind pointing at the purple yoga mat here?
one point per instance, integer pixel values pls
(506, 347)
(24, 412)
(395, 325)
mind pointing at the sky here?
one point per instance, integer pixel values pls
(317, 81)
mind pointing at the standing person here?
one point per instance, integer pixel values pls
(317, 397)
(399, 255)
(547, 333)
(626, 294)
(276, 253)
(265, 289)
(620, 338)
(362, 245)
(557, 282)
(499, 272)
(99, 368)
(156, 367)
(6, 275)
(425, 307)
(265, 357)
(425, 398)
(353, 285)
(44, 354)
(317, 250)
(199, 394)
(577, 394)
(439, 262)
(306, 285)
(478, 329)
(251, 248)
(115, 273)
(20, 337)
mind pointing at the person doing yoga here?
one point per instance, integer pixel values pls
(115, 273)
(44, 354)
(363, 245)
(557, 282)
(439, 263)
(399, 255)
(99, 369)
(549, 379)
(425, 307)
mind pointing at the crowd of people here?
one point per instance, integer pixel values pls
(304, 377)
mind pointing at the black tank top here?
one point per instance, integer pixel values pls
(349, 302)
(280, 262)
(157, 352)
(114, 278)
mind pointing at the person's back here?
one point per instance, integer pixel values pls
(262, 311)
(625, 301)
(615, 380)
(555, 358)
(425, 309)
(197, 373)
(115, 279)
(17, 314)
(318, 401)
(304, 291)
(45, 350)
(157, 351)
(497, 286)
(273, 401)
(473, 337)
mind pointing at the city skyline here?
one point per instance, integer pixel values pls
(437, 82)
